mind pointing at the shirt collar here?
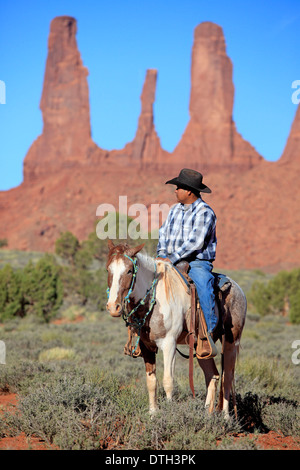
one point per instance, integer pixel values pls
(186, 207)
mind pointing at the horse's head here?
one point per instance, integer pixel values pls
(121, 271)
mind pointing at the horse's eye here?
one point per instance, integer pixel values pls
(130, 271)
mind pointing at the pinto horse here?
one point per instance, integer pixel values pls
(153, 298)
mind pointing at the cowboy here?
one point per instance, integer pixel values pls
(189, 234)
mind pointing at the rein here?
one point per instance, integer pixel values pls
(134, 321)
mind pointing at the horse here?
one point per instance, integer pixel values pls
(153, 299)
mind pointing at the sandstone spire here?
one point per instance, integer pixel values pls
(66, 137)
(210, 138)
(146, 144)
(291, 151)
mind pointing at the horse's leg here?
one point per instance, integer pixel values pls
(211, 375)
(150, 365)
(169, 350)
(230, 354)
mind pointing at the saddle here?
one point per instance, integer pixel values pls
(195, 320)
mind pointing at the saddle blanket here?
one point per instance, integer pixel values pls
(222, 282)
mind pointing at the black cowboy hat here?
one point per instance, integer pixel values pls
(190, 179)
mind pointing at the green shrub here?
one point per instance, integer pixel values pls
(35, 290)
(3, 242)
(11, 300)
(282, 416)
(295, 307)
(67, 246)
(264, 373)
(42, 288)
(281, 295)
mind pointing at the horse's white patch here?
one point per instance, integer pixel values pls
(117, 268)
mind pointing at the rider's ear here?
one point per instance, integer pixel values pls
(133, 251)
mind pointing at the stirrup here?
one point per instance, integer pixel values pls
(206, 348)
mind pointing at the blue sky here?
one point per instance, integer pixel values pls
(120, 39)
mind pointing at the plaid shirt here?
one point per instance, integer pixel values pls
(188, 232)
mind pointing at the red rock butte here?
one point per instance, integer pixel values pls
(66, 175)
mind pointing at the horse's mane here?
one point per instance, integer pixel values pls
(165, 269)
(146, 260)
(171, 278)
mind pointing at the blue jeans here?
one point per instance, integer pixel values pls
(201, 273)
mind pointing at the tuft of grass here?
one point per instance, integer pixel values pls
(265, 373)
(282, 416)
(56, 354)
(73, 312)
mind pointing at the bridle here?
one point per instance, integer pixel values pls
(135, 270)
(128, 316)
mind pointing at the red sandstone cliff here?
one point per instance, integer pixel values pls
(145, 150)
(66, 175)
(291, 153)
(211, 139)
(146, 147)
(66, 137)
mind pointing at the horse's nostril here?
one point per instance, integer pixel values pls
(114, 309)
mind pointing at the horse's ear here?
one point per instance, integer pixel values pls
(133, 251)
(110, 244)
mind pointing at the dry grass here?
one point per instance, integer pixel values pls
(78, 391)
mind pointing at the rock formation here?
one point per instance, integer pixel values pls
(210, 139)
(291, 153)
(66, 137)
(66, 175)
(146, 148)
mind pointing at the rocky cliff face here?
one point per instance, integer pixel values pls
(66, 138)
(66, 175)
(291, 153)
(145, 150)
(211, 139)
